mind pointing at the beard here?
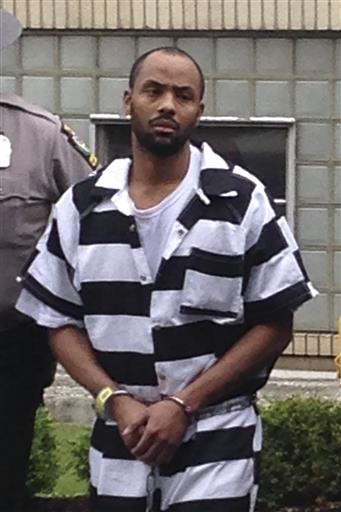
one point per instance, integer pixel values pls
(158, 145)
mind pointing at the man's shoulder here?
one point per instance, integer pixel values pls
(226, 181)
(220, 174)
(17, 102)
(244, 176)
(100, 185)
(85, 195)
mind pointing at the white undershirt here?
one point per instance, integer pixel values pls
(154, 224)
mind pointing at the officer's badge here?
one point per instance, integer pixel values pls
(80, 146)
(5, 151)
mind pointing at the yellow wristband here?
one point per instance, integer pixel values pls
(102, 398)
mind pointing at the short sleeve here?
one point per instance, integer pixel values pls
(275, 280)
(51, 289)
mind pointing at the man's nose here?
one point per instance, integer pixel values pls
(167, 103)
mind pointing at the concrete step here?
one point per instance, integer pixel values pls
(69, 402)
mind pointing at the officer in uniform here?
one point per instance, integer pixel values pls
(40, 158)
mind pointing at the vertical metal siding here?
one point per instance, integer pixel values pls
(59, 13)
(190, 15)
(335, 15)
(216, 13)
(86, 14)
(178, 14)
(230, 14)
(124, 14)
(47, 14)
(164, 14)
(203, 14)
(322, 15)
(309, 14)
(34, 10)
(243, 15)
(111, 19)
(280, 13)
(73, 14)
(255, 9)
(150, 11)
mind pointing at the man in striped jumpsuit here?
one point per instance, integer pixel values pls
(169, 284)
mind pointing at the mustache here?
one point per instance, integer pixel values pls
(169, 120)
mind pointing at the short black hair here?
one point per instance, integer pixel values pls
(170, 50)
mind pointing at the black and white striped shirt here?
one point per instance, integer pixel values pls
(229, 263)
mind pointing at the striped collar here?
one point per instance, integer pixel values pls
(214, 180)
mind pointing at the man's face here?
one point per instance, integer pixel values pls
(164, 103)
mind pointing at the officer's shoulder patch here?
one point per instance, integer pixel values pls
(79, 145)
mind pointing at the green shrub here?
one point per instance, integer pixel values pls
(301, 453)
(80, 452)
(69, 484)
(43, 467)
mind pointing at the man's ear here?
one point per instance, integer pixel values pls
(127, 102)
(201, 111)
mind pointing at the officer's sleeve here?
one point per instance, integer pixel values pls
(51, 290)
(275, 279)
(71, 160)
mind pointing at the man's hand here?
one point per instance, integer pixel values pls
(162, 433)
(131, 417)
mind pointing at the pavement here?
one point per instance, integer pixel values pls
(70, 403)
(284, 383)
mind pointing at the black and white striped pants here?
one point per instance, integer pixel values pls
(213, 470)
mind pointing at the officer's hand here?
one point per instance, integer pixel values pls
(131, 417)
(163, 433)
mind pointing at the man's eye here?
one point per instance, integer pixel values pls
(152, 91)
(186, 96)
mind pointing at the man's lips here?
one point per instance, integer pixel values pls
(164, 125)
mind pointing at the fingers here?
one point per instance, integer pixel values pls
(164, 456)
(154, 453)
(145, 442)
(151, 449)
(131, 436)
(150, 455)
(155, 433)
(130, 440)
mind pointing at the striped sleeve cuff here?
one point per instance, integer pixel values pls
(43, 314)
(61, 305)
(288, 299)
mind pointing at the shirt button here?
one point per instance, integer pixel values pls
(181, 232)
(132, 228)
(143, 278)
(162, 376)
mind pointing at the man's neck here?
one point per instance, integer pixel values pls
(153, 178)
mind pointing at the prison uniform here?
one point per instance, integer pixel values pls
(229, 263)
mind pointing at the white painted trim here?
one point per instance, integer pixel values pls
(290, 192)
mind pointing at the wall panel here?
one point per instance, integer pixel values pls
(179, 14)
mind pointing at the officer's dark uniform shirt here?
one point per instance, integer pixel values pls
(40, 158)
